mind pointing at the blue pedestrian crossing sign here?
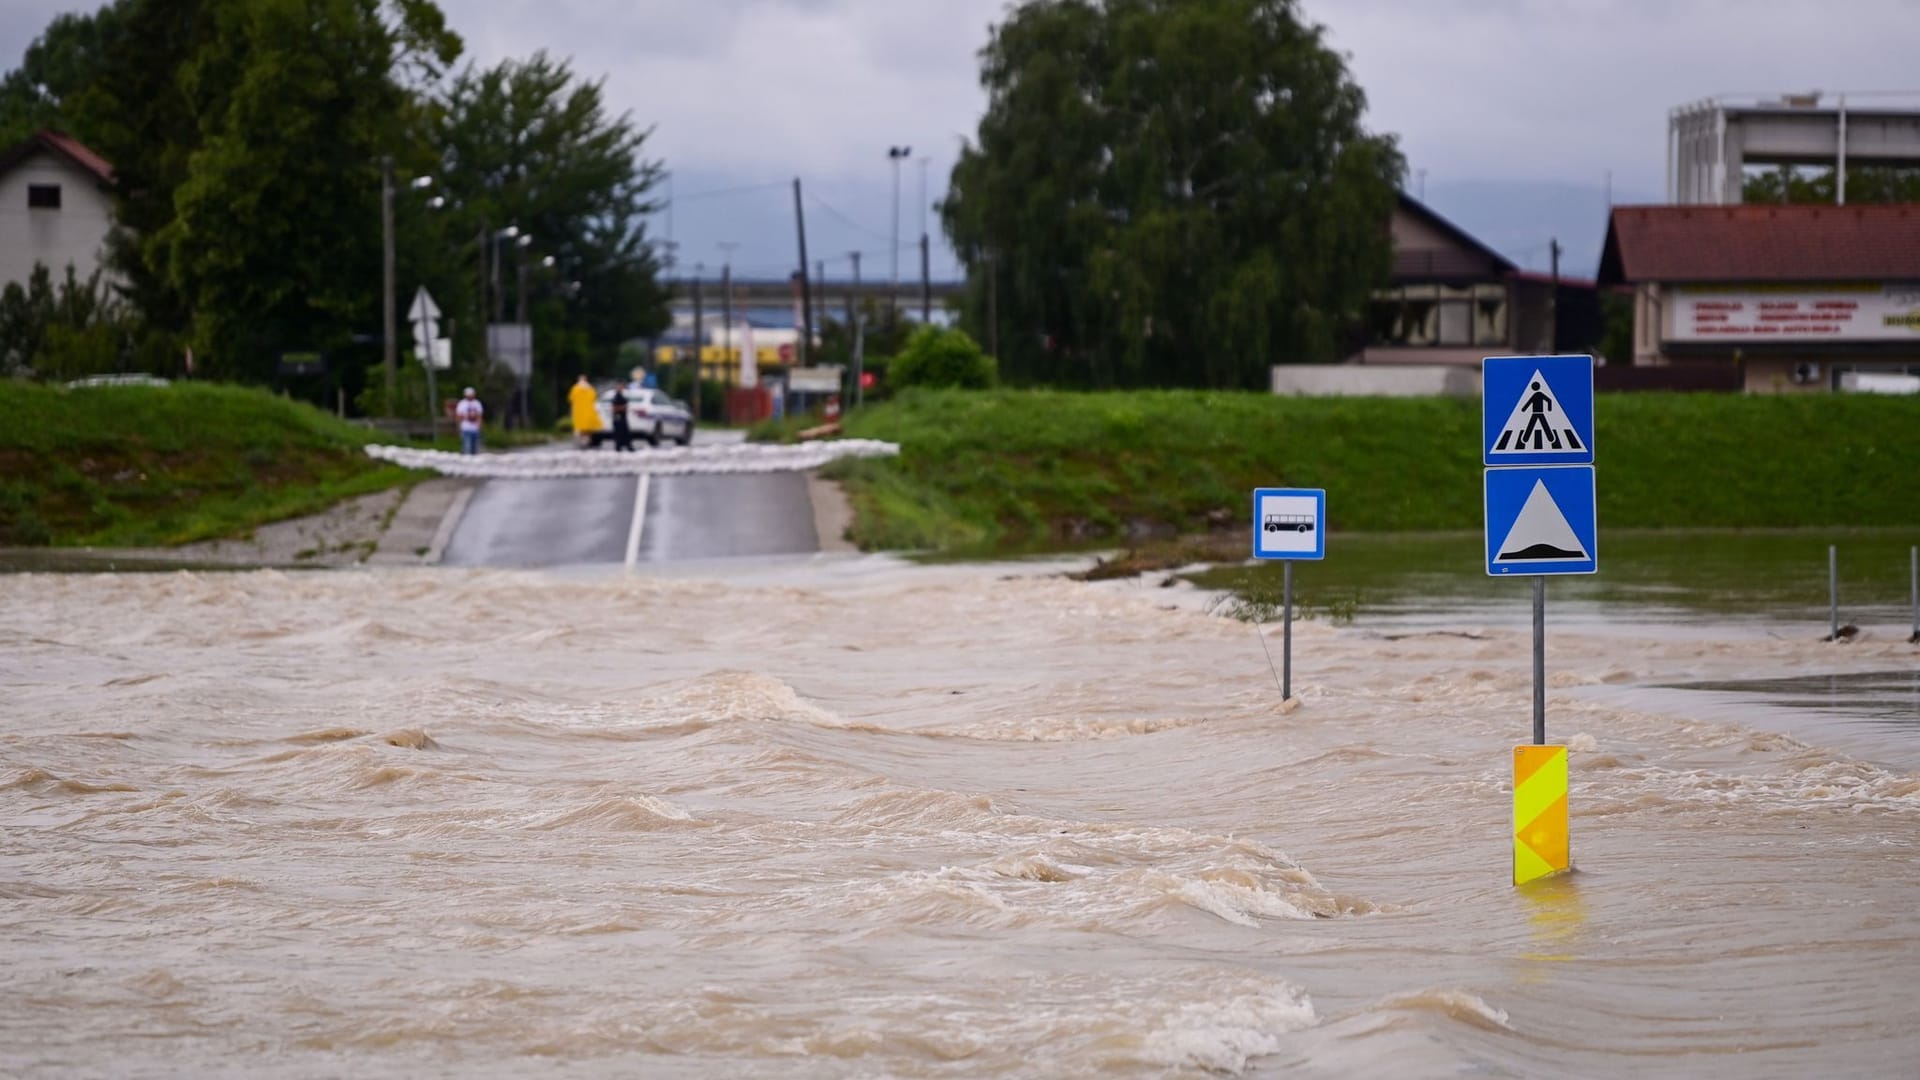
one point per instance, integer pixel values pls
(1537, 410)
(1289, 523)
(1542, 521)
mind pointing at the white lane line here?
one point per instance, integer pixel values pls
(639, 519)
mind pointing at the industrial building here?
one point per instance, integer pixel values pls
(1774, 298)
(1712, 143)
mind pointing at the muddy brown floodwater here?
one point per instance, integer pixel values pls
(863, 819)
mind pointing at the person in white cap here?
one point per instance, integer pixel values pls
(468, 412)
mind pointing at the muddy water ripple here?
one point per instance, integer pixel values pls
(916, 822)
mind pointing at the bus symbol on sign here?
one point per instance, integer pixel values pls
(1289, 523)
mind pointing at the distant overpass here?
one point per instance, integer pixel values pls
(767, 292)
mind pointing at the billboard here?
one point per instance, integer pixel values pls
(1750, 313)
(512, 344)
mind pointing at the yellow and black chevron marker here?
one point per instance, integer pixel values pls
(1539, 812)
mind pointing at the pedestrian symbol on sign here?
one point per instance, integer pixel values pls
(1538, 423)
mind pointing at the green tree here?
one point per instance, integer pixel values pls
(939, 357)
(56, 70)
(275, 238)
(1865, 184)
(78, 327)
(528, 144)
(1168, 192)
(245, 137)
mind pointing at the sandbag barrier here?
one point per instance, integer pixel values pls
(674, 461)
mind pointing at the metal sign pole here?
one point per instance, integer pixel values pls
(1286, 635)
(1539, 661)
(433, 389)
(1833, 592)
(1913, 560)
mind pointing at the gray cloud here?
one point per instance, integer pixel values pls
(1562, 91)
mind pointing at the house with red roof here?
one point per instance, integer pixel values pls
(1795, 298)
(1451, 300)
(55, 207)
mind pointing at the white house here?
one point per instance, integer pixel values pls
(54, 207)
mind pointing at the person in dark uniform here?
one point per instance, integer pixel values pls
(622, 424)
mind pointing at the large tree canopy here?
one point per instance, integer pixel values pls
(275, 235)
(527, 144)
(57, 68)
(1168, 192)
(247, 138)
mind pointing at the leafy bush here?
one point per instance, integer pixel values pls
(942, 358)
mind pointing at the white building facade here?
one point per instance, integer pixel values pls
(55, 208)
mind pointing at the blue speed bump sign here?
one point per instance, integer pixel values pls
(1541, 521)
(1537, 410)
(1289, 523)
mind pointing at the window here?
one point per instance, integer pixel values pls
(1444, 315)
(43, 196)
(1489, 314)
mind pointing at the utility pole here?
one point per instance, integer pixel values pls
(895, 154)
(804, 354)
(499, 294)
(1553, 298)
(699, 338)
(926, 271)
(820, 294)
(853, 298)
(390, 355)
(481, 242)
(993, 306)
(726, 308)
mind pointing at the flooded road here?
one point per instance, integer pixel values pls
(853, 818)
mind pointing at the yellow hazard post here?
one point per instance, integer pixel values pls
(1540, 844)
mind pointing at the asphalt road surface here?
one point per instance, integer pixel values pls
(587, 521)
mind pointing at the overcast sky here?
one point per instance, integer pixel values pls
(1548, 94)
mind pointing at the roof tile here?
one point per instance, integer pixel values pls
(1763, 243)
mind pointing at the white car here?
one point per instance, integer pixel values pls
(651, 414)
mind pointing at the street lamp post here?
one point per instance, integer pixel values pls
(499, 295)
(895, 155)
(390, 346)
(926, 252)
(726, 308)
(521, 244)
(389, 354)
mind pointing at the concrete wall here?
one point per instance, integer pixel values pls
(1352, 380)
(74, 234)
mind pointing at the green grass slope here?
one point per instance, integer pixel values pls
(1038, 469)
(136, 466)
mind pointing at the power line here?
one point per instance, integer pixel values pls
(716, 193)
(847, 221)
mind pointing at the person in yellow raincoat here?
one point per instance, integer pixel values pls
(586, 417)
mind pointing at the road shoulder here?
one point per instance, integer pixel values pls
(832, 514)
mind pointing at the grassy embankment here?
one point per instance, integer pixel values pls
(139, 466)
(1037, 470)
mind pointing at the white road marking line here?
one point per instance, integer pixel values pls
(639, 519)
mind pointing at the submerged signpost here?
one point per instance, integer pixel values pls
(1289, 524)
(1541, 520)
